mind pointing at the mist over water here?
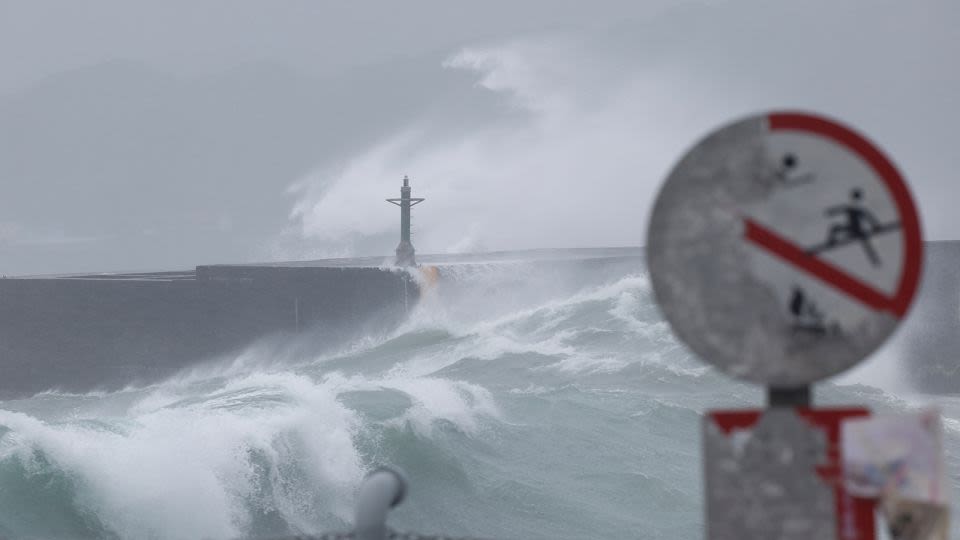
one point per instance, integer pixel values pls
(521, 402)
(568, 133)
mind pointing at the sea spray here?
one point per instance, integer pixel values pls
(562, 409)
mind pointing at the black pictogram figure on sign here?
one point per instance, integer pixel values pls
(858, 225)
(806, 317)
(787, 172)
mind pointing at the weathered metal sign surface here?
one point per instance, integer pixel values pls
(778, 475)
(784, 248)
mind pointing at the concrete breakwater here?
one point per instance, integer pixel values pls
(81, 332)
(928, 345)
(104, 331)
(78, 333)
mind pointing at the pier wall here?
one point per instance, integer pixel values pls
(86, 332)
(928, 343)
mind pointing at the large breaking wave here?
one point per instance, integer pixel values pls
(521, 404)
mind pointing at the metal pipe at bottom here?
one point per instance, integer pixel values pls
(383, 489)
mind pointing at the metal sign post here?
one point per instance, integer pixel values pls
(783, 249)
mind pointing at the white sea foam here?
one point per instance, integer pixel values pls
(521, 401)
(180, 469)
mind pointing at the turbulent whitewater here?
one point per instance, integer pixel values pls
(521, 405)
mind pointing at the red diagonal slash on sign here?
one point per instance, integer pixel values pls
(820, 269)
(906, 213)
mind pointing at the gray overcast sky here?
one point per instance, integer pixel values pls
(140, 135)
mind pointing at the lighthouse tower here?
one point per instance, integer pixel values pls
(405, 251)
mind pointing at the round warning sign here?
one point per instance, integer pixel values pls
(784, 248)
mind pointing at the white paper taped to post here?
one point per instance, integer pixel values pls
(784, 248)
(899, 460)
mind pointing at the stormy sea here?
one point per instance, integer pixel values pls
(520, 403)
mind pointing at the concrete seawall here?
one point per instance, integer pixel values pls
(84, 332)
(928, 344)
(103, 331)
